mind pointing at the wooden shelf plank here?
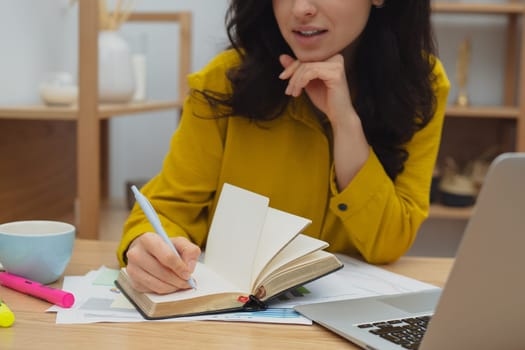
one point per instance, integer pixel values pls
(110, 110)
(40, 112)
(483, 112)
(508, 8)
(438, 211)
(159, 16)
(106, 111)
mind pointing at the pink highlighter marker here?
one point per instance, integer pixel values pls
(52, 295)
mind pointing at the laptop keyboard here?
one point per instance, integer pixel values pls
(406, 332)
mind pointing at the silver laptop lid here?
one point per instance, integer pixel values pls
(483, 303)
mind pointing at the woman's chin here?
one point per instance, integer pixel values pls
(313, 56)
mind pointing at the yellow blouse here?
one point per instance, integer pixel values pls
(289, 161)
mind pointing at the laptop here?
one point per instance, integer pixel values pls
(482, 305)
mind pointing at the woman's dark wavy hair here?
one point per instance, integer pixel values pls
(391, 73)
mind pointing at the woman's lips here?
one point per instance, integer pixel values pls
(309, 32)
(308, 38)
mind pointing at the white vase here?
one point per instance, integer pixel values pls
(139, 69)
(115, 70)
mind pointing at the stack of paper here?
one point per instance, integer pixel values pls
(97, 299)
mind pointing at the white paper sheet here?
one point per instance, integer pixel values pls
(356, 279)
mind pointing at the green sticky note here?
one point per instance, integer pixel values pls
(106, 277)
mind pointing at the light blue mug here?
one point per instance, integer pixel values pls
(36, 249)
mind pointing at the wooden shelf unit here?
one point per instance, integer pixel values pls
(91, 118)
(509, 117)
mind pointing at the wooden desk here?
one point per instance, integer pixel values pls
(35, 329)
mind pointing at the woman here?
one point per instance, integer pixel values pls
(331, 108)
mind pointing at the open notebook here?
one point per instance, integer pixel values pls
(482, 305)
(253, 253)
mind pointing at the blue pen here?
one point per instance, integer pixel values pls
(153, 218)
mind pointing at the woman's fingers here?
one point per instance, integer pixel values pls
(144, 281)
(286, 60)
(290, 66)
(188, 251)
(153, 266)
(324, 82)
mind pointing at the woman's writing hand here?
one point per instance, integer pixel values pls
(324, 82)
(154, 267)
